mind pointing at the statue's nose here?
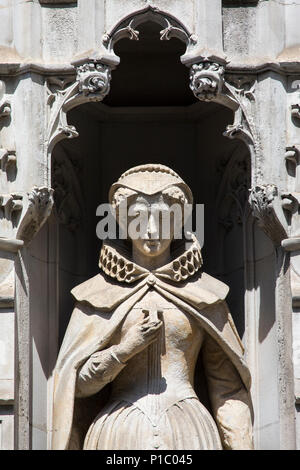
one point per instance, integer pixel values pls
(152, 229)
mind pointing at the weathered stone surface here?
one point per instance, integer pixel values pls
(58, 59)
(55, 2)
(163, 329)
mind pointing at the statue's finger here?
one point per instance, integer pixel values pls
(154, 328)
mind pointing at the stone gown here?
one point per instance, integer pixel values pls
(153, 404)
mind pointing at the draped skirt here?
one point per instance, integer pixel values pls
(185, 425)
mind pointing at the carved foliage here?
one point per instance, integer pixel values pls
(177, 31)
(123, 31)
(94, 78)
(40, 202)
(92, 81)
(209, 82)
(206, 80)
(57, 87)
(242, 89)
(232, 198)
(91, 84)
(267, 206)
(67, 191)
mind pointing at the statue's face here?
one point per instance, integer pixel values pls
(154, 236)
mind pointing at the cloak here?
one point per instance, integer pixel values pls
(103, 303)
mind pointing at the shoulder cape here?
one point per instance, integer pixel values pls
(102, 304)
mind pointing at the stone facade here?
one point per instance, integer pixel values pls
(66, 70)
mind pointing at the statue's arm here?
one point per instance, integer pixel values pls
(229, 398)
(101, 368)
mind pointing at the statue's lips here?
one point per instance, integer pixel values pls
(152, 242)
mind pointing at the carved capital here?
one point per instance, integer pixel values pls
(94, 77)
(206, 80)
(267, 206)
(40, 203)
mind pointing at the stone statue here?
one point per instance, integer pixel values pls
(124, 377)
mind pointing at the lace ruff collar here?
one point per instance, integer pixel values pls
(121, 268)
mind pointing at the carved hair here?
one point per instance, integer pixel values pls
(176, 193)
(172, 192)
(120, 195)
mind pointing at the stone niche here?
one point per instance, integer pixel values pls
(150, 115)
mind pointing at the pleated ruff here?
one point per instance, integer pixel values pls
(185, 425)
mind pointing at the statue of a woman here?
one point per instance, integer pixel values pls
(124, 377)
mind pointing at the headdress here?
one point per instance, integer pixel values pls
(150, 179)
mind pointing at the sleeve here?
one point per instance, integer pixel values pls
(101, 368)
(231, 402)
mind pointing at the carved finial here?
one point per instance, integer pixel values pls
(174, 31)
(132, 33)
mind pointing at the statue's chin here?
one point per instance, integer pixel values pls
(152, 247)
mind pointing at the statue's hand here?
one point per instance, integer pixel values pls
(139, 336)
